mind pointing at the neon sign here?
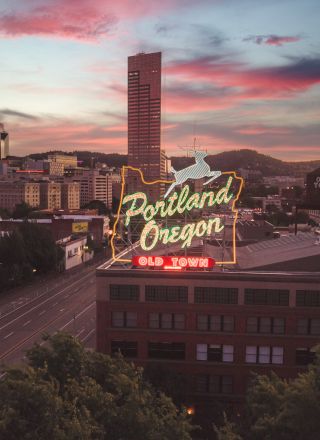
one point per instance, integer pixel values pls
(152, 233)
(176, 263)
(174, 219)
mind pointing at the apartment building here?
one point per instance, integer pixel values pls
(50, 195)
(70, 195)
(15, 192)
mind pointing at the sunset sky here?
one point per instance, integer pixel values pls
(236, 73)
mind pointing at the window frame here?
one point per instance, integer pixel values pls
(264, 354)
(222, 353)
(272, 326)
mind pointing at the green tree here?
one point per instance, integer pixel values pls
(99, 205)
(31, 408)
(67, 393)
(22, 210)
(4, 213)
(280, 409)
(170, 382)
(42, 252)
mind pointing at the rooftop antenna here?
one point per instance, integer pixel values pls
(192, 148)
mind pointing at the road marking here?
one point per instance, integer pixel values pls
(77, 315)
(26, 323)
(78, 334)
(43, 302)
(88, 335)
(41, 313)
(8, 335)
(43, 294)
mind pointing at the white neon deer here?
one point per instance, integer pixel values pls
(197, 171)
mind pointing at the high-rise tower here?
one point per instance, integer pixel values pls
(4, 143)
(144, 120)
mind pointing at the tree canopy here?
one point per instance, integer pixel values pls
(279, 409)
(27, 250)
(69, 393)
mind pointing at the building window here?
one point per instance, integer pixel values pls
(264, 354)
(215, 295)
(215, 323)
(167, 293)
(305, 356)
(126, 348)
(166, 321)
(308, 298)
(266, 325)
(166, 350)
(124, 292)
(214, 353)
(213, 384)
(267, 297)
(124, 319)
(308, 326)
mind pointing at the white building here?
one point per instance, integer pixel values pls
(76, 251)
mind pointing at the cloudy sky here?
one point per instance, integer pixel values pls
(236, 73)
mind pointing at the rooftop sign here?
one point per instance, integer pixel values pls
(182, 218)
(173, 262)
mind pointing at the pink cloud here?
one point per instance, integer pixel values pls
(61, 21)
(250, 83)
(68, 135)
(262, 130)
(77, 19)
(272, 40)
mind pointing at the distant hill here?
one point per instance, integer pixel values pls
(85, 157)
(251, 159)
(229, 160)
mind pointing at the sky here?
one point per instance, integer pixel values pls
(235, 74)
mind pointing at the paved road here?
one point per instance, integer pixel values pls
(67, 303)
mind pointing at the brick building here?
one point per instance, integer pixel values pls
(214, 328)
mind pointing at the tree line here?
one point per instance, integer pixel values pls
(67, 393)
(28, 250)
(279, 409)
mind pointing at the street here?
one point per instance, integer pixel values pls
(65, 304)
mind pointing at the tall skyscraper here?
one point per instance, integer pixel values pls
(4, 143)
(144, 120)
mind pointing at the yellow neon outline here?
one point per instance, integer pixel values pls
(234, 211)
(120, 204)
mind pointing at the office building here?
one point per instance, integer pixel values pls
(67, 160)
(4, 144)
(144, 120)
(13, 193)
(94, 185)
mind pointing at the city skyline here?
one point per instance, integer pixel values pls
(235, 74)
